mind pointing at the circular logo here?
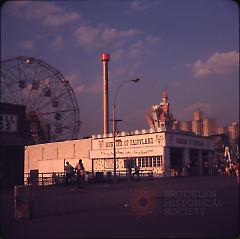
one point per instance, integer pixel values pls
(142, 202)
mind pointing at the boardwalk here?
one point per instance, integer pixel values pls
(194, 207)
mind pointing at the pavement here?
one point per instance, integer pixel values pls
(176, 207)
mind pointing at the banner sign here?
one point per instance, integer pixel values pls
(8, 123)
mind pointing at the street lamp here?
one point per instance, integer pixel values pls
(114, 125)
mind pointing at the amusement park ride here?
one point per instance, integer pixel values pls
(52, 111)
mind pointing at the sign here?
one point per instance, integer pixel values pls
(8, 123)
(194, 142)
(127, 152)
(151, 144)
(190, 141)
(109, 163)
(133, 141)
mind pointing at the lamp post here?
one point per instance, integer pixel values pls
(114, 125)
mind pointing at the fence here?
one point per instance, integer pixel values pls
(59, 178)
(44, 179)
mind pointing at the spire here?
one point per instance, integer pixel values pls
(164, 95)
(198, 109)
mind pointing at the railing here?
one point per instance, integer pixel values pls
(59, 178)
(44, 179)
(124, 173)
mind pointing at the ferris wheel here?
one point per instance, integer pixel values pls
(51, 107)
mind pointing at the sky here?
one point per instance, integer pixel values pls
(190, 48)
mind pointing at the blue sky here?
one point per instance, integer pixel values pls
(188, 47)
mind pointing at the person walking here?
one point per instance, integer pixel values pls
(69, 173)
(80, 170)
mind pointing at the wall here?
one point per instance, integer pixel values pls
(50, 157)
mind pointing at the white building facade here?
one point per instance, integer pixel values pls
(165, 153)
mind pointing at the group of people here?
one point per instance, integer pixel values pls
(228, 168)
(76, 176)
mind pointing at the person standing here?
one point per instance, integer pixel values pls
(80, 170)
(69, 173)
(137, 171)
(54, 178)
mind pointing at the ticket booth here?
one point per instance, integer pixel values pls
(13, 131)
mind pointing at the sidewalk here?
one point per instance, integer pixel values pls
(136, 209)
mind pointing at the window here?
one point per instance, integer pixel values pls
(154, 162)
(146, 160)
(133, 162)
(150, 161)
(130, 162)
(139, 162)
(125, 163)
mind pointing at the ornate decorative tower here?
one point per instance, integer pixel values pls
(159, 116)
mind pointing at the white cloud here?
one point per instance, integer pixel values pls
(26, 44)
(138, 6)
(57, 43)
(134, 54)
(127, 59)
(207, 109)
(73, 78)
(204, 107)
(121, 44)
(176, 84)
(91, 88)
(61, 19)
(48, 13)
(217, 64)
(79, 87)
(132, 51)
(99, 36)
(152, 40)
(15, 5)
(87, 35)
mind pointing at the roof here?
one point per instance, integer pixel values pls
(13, 140)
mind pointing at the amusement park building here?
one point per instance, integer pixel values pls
(161, 149)
(164, 152)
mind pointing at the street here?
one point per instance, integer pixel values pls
(193, 207)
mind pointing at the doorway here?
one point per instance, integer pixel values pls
(176, 161)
